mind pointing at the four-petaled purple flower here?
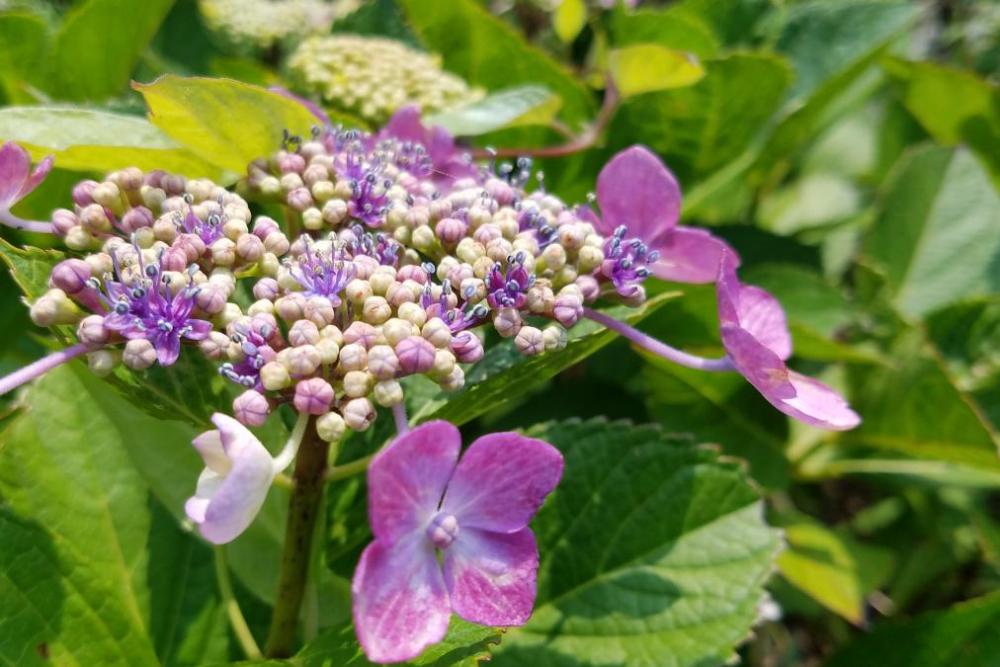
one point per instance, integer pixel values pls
(636, 190)
(475, 514)
(757, 342)
(322, 272)
(147, 308)
(508, 289)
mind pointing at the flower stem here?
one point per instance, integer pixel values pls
(236, 619)
(303, 508)
(658, 348)
(11, 220)
(33, 370)
(399, 416)
(348, 469)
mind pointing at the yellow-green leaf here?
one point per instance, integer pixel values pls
(514, 107)
(644, 68)
(569, 18)
(225, 122)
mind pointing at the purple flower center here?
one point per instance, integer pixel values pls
(442, 530)
(209, 231)
(322, 273)
(626, 261)
(508, 289)
(379, 247)
(368, 185)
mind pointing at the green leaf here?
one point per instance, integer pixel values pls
(504, 373)
(914, 408)
(832, 568)
(465, 645)
(968, 336)
(225, 122)
(487, 52)
(929, 473)
(514, 107)
(99, 43)
(964, 634)
(30, 267)
(653, 551)
(815, 200)
(674, 28)
(938, 236)
(25, 38)
(89, 140)
(646, 68)
(700, 128)
(569, 18)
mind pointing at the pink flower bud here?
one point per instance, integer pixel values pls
(173, 259)
(416, 355)
(264, 226)
(412, 272)
(63, 220)
(467, 347)
(487, 233)
(91, 331)
(251, 408)
(529, 341)
(210, 299)
(266, 288)
(291, 162)
(137, 218)
(139, 354)
(303, 332)
(300, 199)
(567, 310)
(70, 275)
(313, 396)
(589, 287)
(82, 192)
(249, 248)
(361, 333)
(450, 230)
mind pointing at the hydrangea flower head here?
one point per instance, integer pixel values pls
(757, 341)
(422, 500)
(636, 190)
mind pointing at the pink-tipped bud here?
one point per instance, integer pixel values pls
(412, 272)
(383, 362)
(359, 414)
(303, 332)
(249, 248)
(313, 396)
(211, 299)
(70, 275)
(467, 347)
(63, 220)
(361, 333)
(507, 322)
(91, 331)
(82, 192)
(300, 199)
(264, 226)
(136, 219)
(416, 355)
(139, 354)
(450, 230)
(291, 163)
(529, 341)
(173, 259)
(266, 288)
(500, 191)
(568, 310)
(589, 287)
(251, 408)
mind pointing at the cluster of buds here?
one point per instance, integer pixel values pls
(372, 77)
(260, 24)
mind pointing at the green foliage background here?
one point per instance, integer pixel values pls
(849, 149)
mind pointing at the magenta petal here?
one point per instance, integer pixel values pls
(42, 170)
(400, 605)
(690, 255)
(501, 482)
(760, 366)
(635, 189)
(491, 576)
(763, 318)
(817, 404)
(15, 163)
(405, 124)
(407, 479)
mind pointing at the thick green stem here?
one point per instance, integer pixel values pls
(310, 466)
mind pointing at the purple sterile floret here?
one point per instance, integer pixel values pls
(636, 190)
(380, 247)
(757, 342)
(447, 161)
(148, 307)
(422, 500)
(508, 288)
(626, 262)
(322, 273)
(209, 231)
(368, 201)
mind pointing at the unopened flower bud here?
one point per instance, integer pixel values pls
(353, 357)
(211, 299)
(313, 396)
(450, 230)
(334, 211)
(289, 308)
(91, 331)
(303, 332)
(139, 354)
(52, 308)
(299, 199)
(436, 332)
(469, 250)
(266, 288)
(329, 350)
(454, 381)
(274, 376)
(415, 354)
(568, 309)
(388, 393)
(137, 218)
(302, 361)
(530, 341)
(444, 362)
(82, 193)
(507, 322)
(467, 347)
(330, 427)
(590, 289)
(359, 414)
(376, 310)
(382, 362)
(413, 313)
(64, 220)
(396, 329)
(102, 362)
(213, 347)
(589, 258)
(249, 248)
(554, 338)
(230, 312)
(357, 291)
(357, 383)
(361, 333)
(223, 252)
(251, 408)
(312, 219)
(554, 257)
(70, 275)
(264, 227)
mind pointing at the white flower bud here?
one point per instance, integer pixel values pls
(436, 332)
(396, 330)
(353, 357)
(507, 322)
(330, 427)
(529, 341)
(229, 314)
(139, 354)
(302, 361)
(359, 414)
(357, 291)
(554, 338)
(329, 350)
(357, 383)
(376, 310)
(454, 381)
(388, 393)
(274, 376)
(102, 362)
(214, 346)
(412, 313)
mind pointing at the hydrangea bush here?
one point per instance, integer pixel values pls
(310, 387)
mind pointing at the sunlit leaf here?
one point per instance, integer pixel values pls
(645, 68)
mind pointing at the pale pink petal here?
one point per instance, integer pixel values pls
(690, 255)
(15, 163)
(501, 482)
(233, 502)
(762, 316)
(635, 189)
(407, 479)
(399, 602)
(760, 366)
(42, 170)
(209, 445)
(491, 576)
(234, 436)
(817, 404)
